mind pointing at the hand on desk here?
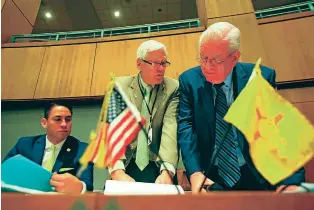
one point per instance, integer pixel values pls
(183, 180)
(66, 183)
(120, 175)
(197, 179)
(164, 177)
(283, 188)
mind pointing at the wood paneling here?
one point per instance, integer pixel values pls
(182, 52)
(2, 3)
(290, 48)
(13, 22)
(307, 108)
(66, 71)
(118, 58)
(297, 95)
(224, 8)
(20, 70)
(29, 9)
(251, 47)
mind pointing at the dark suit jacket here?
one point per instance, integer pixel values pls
(196, 120)
(33, 148)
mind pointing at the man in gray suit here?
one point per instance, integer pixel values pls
(156, 97)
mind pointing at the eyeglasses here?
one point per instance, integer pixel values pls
(155, 64)
(207, 60)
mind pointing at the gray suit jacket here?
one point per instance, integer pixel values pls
(164, 117)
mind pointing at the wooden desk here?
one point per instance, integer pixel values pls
(221, 201)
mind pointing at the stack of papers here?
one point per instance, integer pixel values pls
(113, 187)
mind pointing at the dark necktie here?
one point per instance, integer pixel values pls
(228, 166)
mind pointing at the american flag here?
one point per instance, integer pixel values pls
(123, 124)
(115, 131)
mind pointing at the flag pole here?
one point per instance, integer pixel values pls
(94, 146)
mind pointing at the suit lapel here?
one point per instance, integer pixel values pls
(67, 154)
(160, 93)
(39, 149)
(135, 93)
(241, 78)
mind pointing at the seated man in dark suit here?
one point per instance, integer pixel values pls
(206, 92)
(57, 151)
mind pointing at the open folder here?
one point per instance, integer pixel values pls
(23, 173)
(113, 187)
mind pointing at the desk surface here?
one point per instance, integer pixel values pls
(221, 201)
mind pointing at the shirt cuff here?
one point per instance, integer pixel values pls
(168, 167)
(84, 188)
(118, 166)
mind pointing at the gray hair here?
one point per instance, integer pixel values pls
(222, 31)
(149, 46)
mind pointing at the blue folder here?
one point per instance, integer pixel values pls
(22, 172)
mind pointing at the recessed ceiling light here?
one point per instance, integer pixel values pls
(117, 13)
(48, 15)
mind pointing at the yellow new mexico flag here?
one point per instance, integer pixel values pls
(281, 139)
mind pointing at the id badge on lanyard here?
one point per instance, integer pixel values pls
(150, 131)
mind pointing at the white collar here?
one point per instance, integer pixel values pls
(49, 144)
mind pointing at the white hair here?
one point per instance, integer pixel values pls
(222, 31)
(149, 46)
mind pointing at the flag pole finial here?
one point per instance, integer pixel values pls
(257, 68)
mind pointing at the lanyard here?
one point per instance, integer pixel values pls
(142, 92)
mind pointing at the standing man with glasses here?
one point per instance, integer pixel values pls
(206, 93)
(156, 97)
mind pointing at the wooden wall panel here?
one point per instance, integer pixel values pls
(66, 71)
(120, 58)
(20, 70)
(2, 3)
(224, 8)
(251, 45)
(297, 95)
(182, 52)
(290, 48)
(29, 9)
(13, 22)
(117, 57)
(307, 108)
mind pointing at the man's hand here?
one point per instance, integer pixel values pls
(197, 179)
(164, 177)
(183, 180)
(120, 175)
(281, 189)
(66, 183)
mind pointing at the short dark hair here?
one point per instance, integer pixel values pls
(50, 104)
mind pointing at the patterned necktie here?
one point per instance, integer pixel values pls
(228, 166)
(142, 152)
(48, 165)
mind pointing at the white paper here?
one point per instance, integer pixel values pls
(113, 187)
